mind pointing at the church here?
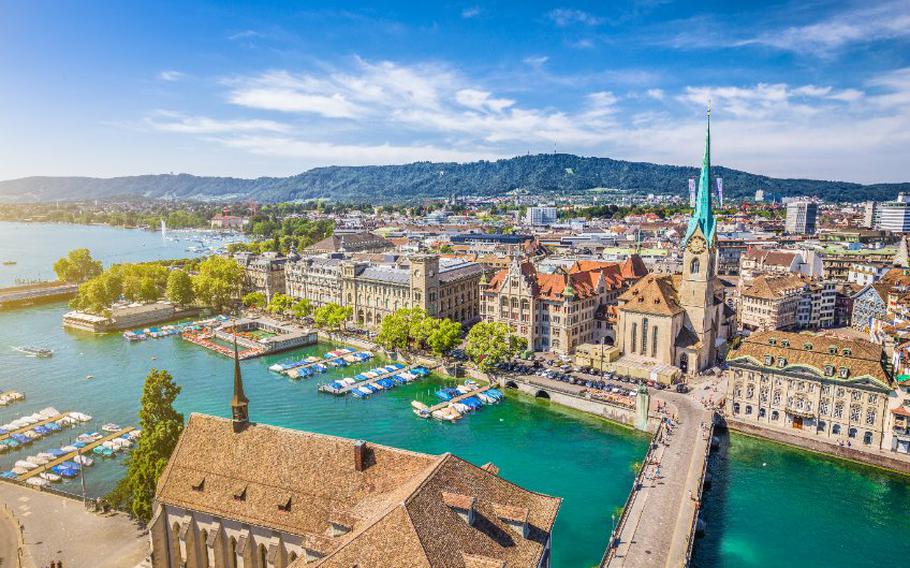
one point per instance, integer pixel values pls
(669, 325)
(236, 494)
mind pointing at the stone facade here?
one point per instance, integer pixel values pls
(264, 272)
(787, 302)
(818, 384)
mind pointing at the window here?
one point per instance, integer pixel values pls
(872, 397)
(870, 416)
(695, 266)
(856, 395)
(203, 538)
(634, 336)
(851, 433)
(750, 391)
(769, 360)
(776, 400)
(867, 438)
(835, 429)
(824, 406)
(785, 343)
(775, 415)
(854, 413)
(735, 408)
(807, 346)
(761, 412)
(644, 336)
(263, 557)
(748, 409)
(829, 370)
(847, 351)
(839, 409)
(832, 349)
(781, 362)
(763, 394)
(772, 341)
(844, 372)
(232, 553)
(821, 425)
(654, 343)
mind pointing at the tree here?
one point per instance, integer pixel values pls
(77, 266)
(179, 288)
(404, 327)
(302, 308)
(331, 316)
(445, 336)
(254, 300)
(491, 343)
(280, 304)
(161, 428)
(219, 281)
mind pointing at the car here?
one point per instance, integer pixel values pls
(682, 388)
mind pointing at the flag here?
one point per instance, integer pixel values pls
(720, 191)
(691, 192)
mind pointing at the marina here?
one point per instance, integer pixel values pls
(380, 378)
(64, 464)
(309, 366)
(458, 401)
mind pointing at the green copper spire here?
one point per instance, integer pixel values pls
(703, 216)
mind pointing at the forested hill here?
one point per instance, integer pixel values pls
(538, 174)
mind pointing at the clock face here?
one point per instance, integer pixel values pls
(696, 245)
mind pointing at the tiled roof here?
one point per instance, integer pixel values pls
(584, 275)
(812, 350)
(396, 506)
(634, 267)
(654, 294)
(771, 257)
(774, 287)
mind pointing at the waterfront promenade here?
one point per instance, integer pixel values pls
(60, 528)
(46, 291)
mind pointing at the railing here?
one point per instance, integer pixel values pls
(610, 552)
(701, 485)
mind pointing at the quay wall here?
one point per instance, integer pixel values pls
(880, 460)
(33, 294)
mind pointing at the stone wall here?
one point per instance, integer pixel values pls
(882, 460)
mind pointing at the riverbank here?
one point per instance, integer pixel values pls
(39, 292)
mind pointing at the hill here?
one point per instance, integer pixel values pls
(539, 174)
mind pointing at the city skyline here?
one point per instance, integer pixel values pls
(799, 90)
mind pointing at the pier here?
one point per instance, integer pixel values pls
(32, 426)
(67, 457)
(447, 403)
(347, 388)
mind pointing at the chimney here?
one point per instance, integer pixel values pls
(360, 455)
(463, 505)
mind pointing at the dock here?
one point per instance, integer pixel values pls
(32, 426)
(6, 394)
(458, 398)
(344, 390)
(68, 457)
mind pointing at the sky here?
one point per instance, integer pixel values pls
(813, 89)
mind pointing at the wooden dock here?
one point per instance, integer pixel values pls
(67, 457)
(31, 426)
(458, 398)
(348, 388)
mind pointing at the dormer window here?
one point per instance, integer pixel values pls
(769, 360)
(829, 370)
(516, 518)
(847, 352)
(807, 346)
(785, 343)
(781, 362)
(844, 372)
(199, 485)
(772, 341)
(832, 349)
(240, 495)
(285, 505)
(462, 505)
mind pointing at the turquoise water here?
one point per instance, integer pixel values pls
(771, 505)
(582, 459)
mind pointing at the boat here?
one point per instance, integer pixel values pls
(84, 460)
(89, 377)
(33, 351)
(52, 477)
(111, 427)
(37, 481)
(420, 409)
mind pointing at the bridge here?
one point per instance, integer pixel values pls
(659, 520)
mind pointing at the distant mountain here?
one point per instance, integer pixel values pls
(539, 174)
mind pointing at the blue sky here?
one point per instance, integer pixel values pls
(799, 88)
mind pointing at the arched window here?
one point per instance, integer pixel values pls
(634, 337)
(835, 429)
(232, 553)
(203, 540)
(654, 343)
(263, 557)
(867, 438)
(695, 266)
(644, 336)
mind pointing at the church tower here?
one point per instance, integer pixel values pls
(240, 412)
(696, 291)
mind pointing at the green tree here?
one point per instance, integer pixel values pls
(302, 308)
(161, 427)
(77, 266)
(445, 336)
(280, 304)
(254, 300)
(404, 327)
(490, 343)
(331, 316)
(179, 288)
(218, 281)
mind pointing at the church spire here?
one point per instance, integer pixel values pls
(703, 216)
(239, 404)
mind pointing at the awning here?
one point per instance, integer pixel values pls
(902, 378)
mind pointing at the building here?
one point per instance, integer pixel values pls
(541, 215)
(801, 218)
(787, 302)
(678, 321)
(126, 316)
(227, 222)
(865, 273)
(239, 494)
(757, 261)
(870, 214)
(264, 272)
(362, 241)
(445, 288)
(560, 310)
(814, 385)
(894, 215)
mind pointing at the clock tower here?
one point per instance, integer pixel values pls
(696, 290)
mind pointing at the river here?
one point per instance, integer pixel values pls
(797, 509)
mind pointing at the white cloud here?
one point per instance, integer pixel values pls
(536, 60)
(874, 21)
(482, 100)
(564, 17)
(471, 12)
(171, 75)
(168, 121)
(656, 94)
